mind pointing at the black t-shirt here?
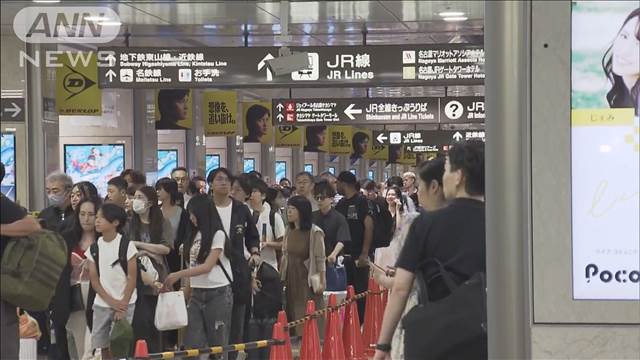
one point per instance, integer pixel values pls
(11, 212)
(335, 229)
(354, 210)
(455, 235)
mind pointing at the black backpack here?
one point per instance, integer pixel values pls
(268, 301)
(383, 224)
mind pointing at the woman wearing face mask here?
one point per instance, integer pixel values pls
(79, 238)
(151, 235)
(211, 301)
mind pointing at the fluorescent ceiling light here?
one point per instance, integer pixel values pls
(46, 1)
(455, 18)
(109, 23)
(97, 18)
(451, 14)
(210, 26)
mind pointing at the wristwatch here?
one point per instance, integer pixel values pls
(383, 347)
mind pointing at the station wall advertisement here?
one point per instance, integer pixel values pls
(219, 112)
(173, 109)
(257, 125)
(605, 157)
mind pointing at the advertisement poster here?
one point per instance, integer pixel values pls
(289, 135)
(219, 112)
(94, 163)
(340, 139)
(360, 143)
(407, 158)
(257, 126)
(605, 159)
(375, 151)
(173, 109)
(316, 138)
(8, 158)
(167, 161)
(77, 91)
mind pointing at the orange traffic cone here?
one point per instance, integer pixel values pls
(372, 320)
(310, 349)
(351, 335)
(141, 350)
(333, 348)
(282, 319)
(280, 352)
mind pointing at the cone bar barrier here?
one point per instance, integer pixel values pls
(333, 348)
(351, 333)
(372, 319)
(257, 344)
(282, 319)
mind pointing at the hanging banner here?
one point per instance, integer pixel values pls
(219, 112)
(257, 125)
(407, 158)
(77, 92)
(340, 139)
(374, 150)
(360, 143)
(289, 135)
(173, 109)
(316, 138)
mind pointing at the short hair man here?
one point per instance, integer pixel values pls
(334, 225)
(58, 186)
(304, 187)
(117, 191)
(181, 176)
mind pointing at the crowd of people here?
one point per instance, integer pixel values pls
(242, 249)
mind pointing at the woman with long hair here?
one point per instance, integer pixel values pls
(303, 261)
(210, 276)
(621, 64)
(79, 237)
(177, 217)
(151, 235)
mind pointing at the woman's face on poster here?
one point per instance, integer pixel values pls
(320, 137)
(261, 125)
(181, 108)
(626, 50)
(362, 146)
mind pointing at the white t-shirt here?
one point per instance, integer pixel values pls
(215, 278)
(112, 278)
(225, 216)
(268, 254)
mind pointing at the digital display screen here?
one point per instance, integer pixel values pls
(370, 174)
(249, 165)
(605, 159)
(308, 168)
(8, 158)
(167, 161)
(281, 170)
(96, 163)
(212, 162)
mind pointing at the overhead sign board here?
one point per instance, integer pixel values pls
(12, 109)
(385, 111)
(425, 140)
(407, 65)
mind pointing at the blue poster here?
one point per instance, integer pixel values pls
(281, 170)
(8, 158)
(94, 163)
(249, 165)
(213, 162)
(167, 161)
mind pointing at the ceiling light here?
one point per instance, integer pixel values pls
(97, 18)
(451, 14)
(109, 23)
(46, 1)
(210, 26)
(455, 18)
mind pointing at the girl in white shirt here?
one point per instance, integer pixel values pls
(209, 271)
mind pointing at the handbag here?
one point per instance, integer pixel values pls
(336, 276)
(171, 311)
(77, 303)
(443, 328)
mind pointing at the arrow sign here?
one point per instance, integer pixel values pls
(15, 109)
(110, 75)
(280, 117)
(263, 64)
(457, 136)
(280, 106)
(381, 138)
(111, 59)
(349, 111)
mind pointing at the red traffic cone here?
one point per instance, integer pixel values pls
(351, 335)
(310, 349)
(141, 350)
(280, 352)
(371, 320)
(333, 348)
(282, 319)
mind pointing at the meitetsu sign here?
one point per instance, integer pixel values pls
(404, 65)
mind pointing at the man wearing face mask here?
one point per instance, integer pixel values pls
(58, 186)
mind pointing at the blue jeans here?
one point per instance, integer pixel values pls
(209, 313)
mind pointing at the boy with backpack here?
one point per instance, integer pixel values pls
(113, 276)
